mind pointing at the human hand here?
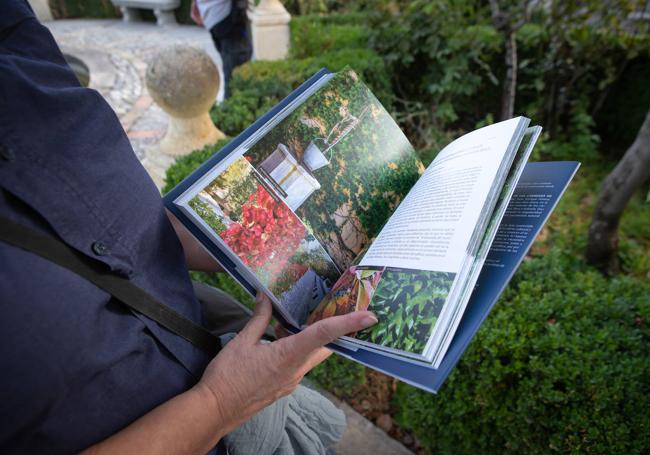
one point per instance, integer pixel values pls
(247, 375)
(195, 14)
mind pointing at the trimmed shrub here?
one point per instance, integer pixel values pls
(98, 9)
(339, 375)
(258, 86)
(184, 165)
(250, 99)
(561, 365)
(314, 35)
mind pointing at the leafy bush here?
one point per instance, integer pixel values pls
(184, 165)
(257, 86)
(440, 57)
(561, 365)
(98, 9)
(447, 63)
(339, 375)
(577, 142)
(313, 35)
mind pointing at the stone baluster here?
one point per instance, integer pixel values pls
(270, 30)
(184, 82)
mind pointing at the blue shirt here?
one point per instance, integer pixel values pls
(77, 365)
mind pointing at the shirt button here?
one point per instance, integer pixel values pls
(100, 249)
(6, 153)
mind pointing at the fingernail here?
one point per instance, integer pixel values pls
(369, 320)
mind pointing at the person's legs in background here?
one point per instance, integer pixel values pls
(234, 46)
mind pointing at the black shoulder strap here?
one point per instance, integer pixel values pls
(121, 288)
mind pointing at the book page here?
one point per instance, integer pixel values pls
(432, 228)
(299, 200)
(406, 277)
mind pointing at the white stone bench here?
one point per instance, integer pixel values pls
(163, 9)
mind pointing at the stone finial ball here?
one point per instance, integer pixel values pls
(183, 80)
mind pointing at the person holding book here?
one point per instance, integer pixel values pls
(81, 369)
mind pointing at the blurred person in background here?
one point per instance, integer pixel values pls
(226, 21)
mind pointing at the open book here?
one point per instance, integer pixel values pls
(323, 205)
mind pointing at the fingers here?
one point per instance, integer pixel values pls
(281, 332)
(316, 357)
(325, 331)
(259, 321)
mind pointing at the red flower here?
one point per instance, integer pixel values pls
(268, 230)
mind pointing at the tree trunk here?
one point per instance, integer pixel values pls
(510, 81)
(619, 186)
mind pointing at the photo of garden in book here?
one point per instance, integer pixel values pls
(340, 163)
(267, 237)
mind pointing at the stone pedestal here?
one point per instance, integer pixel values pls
(162, 9)
(270, 30)
(184, 82)
(130, 14)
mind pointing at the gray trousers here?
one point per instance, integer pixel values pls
(221, 312)
(303, 423)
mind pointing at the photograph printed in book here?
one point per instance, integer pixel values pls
(260, 228)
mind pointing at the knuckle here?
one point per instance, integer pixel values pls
(323, 333)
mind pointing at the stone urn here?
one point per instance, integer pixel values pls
(184, 82)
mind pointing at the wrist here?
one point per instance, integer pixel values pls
(215, 409)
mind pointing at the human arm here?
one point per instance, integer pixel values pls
(196, 257)
(245, 377)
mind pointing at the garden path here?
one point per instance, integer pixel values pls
(117, 55)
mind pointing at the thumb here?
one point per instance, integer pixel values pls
(259, 321)
(327, 330)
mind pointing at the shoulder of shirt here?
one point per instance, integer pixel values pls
(14, 12)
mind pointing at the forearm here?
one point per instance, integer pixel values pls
(196, 256)
(191, 422)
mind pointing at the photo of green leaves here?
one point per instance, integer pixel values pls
(407, 304)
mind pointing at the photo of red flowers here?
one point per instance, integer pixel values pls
(268, 230)
(268, 237)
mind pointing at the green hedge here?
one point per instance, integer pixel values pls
(561, 365)
(331, 42)
(313, 35)
(104, 9)
(96, 9)
(258, 86)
